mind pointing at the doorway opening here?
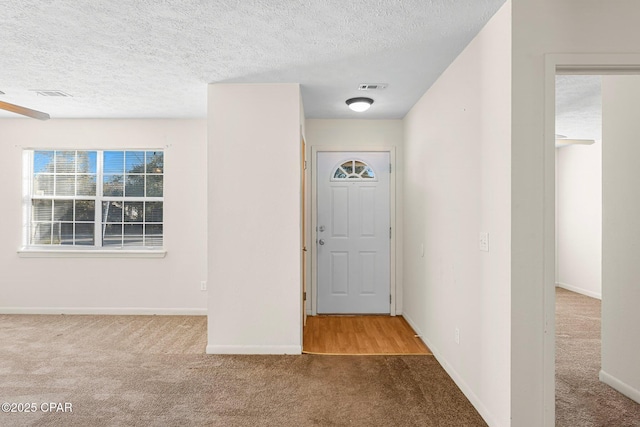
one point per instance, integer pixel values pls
(353, 233)
(578, 275)
(353, 243)
(618, 233)
(353, 194)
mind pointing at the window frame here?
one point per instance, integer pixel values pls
(353, 176)
(97, 249)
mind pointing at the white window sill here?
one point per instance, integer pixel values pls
(90, 253)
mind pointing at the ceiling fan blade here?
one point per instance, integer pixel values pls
(24, 111)
(567, 141)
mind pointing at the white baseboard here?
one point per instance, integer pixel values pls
(620, 386)
(106, 310)
(466, 390)
(581, 291)
(254, 349)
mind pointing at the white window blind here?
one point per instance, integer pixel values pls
(95, 198)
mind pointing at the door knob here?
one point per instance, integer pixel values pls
(321, 242)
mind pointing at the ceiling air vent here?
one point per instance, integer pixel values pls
(41, 92)
(372, 86)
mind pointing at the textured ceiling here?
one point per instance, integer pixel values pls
(579, 106)
(154, 58)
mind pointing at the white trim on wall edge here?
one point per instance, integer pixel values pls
(475, 401)
(118, 311)
(581, 291)
(620, 386)
(254, 349)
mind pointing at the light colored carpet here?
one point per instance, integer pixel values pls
(152, 371)
(581, 399)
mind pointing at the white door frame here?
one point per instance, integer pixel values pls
(597, 64)
(314, 219)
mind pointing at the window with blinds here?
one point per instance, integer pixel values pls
(95, 198)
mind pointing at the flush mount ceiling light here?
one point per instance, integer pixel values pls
(359, 104)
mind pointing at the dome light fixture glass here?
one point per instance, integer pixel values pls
(359, 104)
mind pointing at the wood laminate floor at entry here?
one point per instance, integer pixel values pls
(361, 335)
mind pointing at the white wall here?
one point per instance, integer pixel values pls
(457, 169)
(109, 285)
(541, 27)
(254, 218)
(579, 218)
(621, 234)
(363, 134)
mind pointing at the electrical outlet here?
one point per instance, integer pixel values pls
(457, 336)
(203, 286)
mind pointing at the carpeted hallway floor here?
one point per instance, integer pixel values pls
(581, 399)
(151, 371)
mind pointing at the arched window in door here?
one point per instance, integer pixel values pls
(353, 170)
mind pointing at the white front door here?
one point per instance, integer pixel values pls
(353, 232)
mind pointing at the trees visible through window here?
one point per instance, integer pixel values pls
(95, 198)
(353, 170)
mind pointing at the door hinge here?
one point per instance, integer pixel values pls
(389, 167)
(305, 165)
(304, 296)
(389, 232)
(390, 299)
